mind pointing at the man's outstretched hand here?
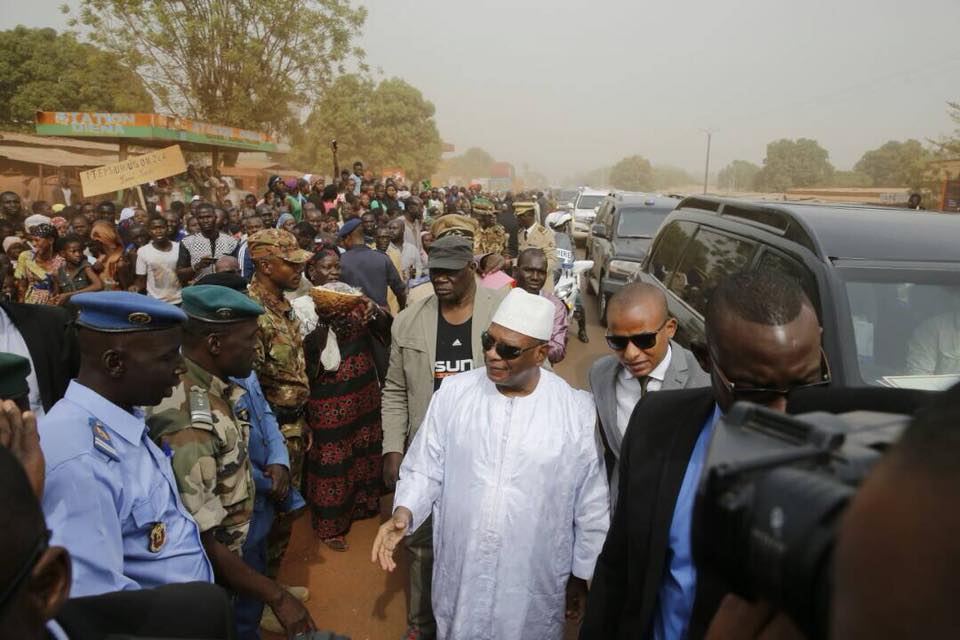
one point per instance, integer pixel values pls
(18, 433)
(389, 536)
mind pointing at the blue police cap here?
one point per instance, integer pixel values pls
(122, 311)
(348, 227)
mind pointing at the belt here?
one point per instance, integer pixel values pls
(286, 415)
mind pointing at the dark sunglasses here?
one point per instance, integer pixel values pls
(505, 351)
(639, 340)
(41, 545)
(766, 395)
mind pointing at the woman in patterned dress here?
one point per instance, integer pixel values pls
(343, 468)
(37, 269)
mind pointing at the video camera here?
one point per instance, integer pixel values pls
(770, 499)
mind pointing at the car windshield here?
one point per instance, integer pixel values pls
(588, 202)
(640, 223)
(567, 195)
(906, 323)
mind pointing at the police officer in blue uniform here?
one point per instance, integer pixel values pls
(111, 498)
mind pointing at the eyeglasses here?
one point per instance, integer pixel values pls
(26, 568)
(766, 395)
(639, 340)
(505, 351)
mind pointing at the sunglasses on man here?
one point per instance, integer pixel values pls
(505, 351)
(642, 341)
(766, 395)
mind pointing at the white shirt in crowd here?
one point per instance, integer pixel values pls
(519, 499)
(160, 267)
(628, 389)
(12, 342)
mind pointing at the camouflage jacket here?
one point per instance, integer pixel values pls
(490, 240)
(280, 365)
(207, 434)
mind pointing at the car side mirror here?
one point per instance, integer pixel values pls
(599, 231)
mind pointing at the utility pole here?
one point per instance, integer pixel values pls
(706, 170)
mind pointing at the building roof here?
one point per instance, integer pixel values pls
(53, 157)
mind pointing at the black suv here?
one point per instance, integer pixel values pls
(885, 282)
(619, 240)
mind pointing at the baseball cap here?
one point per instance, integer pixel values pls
(450, 252)
(276, 242)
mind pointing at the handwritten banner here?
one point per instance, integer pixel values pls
(133, 171)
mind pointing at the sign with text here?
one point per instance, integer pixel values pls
(133, 171)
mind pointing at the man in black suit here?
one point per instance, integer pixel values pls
(763, 339)
(45, 336)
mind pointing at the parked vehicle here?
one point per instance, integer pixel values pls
(619, 240)
(584, 211)
(885, 282)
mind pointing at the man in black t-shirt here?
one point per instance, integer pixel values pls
(454, 352)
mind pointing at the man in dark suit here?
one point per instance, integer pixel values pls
(763, 339)
(646, 359)
(44, 335)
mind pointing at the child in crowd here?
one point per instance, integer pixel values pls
(75, 275)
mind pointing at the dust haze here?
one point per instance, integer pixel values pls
(564, 87)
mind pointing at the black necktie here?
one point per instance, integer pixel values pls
(644, 381)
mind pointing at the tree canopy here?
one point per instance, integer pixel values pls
(43, 70)
(895, 164)
(739, 175)
(794, 163)
(385, 125)
(632, 173)
(249, 63)
(472, 163)
(666, 176)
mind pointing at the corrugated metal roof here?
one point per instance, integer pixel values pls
(53, 157)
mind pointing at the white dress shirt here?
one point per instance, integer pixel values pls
(628, 389)
(12, 342)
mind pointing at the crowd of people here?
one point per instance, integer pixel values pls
(182, 381)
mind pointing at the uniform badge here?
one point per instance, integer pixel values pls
(102, 441)
(139, 317)
(243, 415)
(158, 537)
(224, 313)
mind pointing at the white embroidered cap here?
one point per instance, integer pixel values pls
(526, 313)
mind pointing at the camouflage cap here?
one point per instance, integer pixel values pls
(276, 242)
(454, 224)
(483, 206)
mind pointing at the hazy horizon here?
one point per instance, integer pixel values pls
(578, 86)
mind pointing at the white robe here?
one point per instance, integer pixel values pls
(519, 498)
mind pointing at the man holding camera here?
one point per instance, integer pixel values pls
(763, 341)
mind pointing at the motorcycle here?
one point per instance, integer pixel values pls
(567, 287)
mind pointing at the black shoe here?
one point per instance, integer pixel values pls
(582, 335)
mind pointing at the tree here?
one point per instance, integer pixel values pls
(739, 175)
(246, 63)
(632, 173)
(472, 163)
(851, 179)
(665, 177)
(794, 163)
(896, 164)
(41, 70)
(385, 125)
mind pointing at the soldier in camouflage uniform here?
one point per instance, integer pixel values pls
(204, 427)
(490, 237)
(280, 363)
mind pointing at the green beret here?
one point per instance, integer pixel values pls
(14, 370)
(214, 303)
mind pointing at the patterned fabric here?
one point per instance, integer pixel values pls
(210, 460)
(493, 239)
(280, 364)
(39, 278)
(198, 246)
(344, 465)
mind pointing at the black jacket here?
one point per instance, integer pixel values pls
(193, 610)
(52, 343)
(653, 460)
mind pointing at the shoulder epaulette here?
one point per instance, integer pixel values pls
(102, 441)
(199, 401)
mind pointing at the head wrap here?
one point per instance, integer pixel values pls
(283, 218)
(9, 241)
(43, 230)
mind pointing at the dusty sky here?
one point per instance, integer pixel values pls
(566, 86)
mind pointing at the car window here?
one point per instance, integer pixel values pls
(589, 202)
(709, 257)
(669, 245)
(640, 223)
(793, 269)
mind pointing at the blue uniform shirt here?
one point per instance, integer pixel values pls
(679, 586)
(267, 445)
(371, 271)
(111, 499)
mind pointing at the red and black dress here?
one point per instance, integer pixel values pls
(343, 467)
